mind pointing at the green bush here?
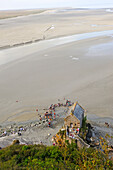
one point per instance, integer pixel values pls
(52, 157)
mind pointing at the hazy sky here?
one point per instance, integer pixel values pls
(24, 4)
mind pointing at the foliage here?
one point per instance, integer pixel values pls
(84, 124)
(52, 157)
(83, 129)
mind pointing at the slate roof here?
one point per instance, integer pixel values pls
(78, 111)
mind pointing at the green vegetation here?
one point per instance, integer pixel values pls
(52, 157)
(84, 129)
(84, 123)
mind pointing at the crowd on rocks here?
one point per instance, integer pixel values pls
(13, 129)
(44, 119)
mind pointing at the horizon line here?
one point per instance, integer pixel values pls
(13, 9)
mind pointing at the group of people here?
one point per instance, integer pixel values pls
(13, 131)
(71, 131)
(50, 116)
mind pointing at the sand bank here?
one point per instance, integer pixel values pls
(19, 13)
(51, 24)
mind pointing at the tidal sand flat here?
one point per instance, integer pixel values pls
(38, 74)
(51, 23)
(4, 14)
(41, 78)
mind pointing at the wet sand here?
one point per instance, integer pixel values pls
(81, 71)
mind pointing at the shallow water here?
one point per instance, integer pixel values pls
(11, 54)
(100, 49)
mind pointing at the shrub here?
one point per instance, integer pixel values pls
(53, 157)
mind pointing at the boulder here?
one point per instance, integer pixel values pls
(16, 142)
(33, 124)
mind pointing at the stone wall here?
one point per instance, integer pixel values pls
(72, 119)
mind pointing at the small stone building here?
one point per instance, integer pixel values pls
(74, 121)
(70, 131)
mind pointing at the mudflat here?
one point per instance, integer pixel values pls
(81, 71)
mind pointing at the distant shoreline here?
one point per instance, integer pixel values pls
(13, 13)
(6, 14)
